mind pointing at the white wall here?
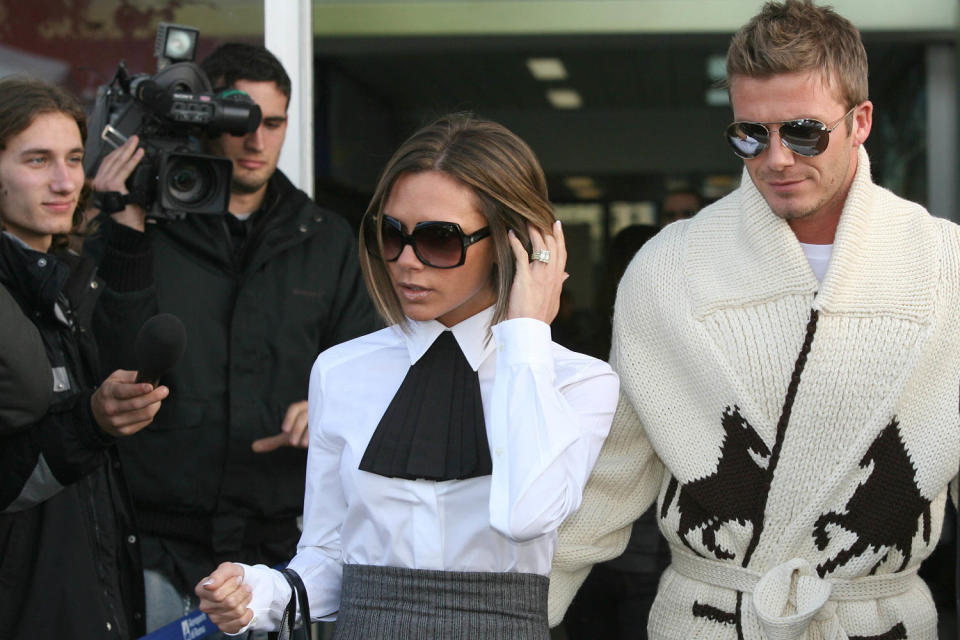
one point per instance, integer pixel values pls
(288, 33)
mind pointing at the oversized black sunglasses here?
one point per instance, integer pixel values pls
(436, 244)
(805, 136)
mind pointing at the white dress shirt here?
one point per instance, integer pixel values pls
(547, 411)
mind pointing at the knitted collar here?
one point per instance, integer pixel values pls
(883, 263)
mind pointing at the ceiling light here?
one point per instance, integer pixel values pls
(579, 182)
(591, 193)
(547, 68)
(564, 99)
(716, 67)
(717, 97)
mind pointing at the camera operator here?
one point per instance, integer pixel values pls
(261, 289)
(70, 562)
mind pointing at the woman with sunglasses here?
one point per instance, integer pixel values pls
(446, 449)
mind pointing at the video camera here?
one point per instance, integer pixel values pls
(170, 111)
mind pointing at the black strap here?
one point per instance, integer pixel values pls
(111, 201)
(298, 593)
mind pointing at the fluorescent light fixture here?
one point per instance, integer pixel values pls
(716, 67)
(547, 68)
(564, 98)
(579, 182)
(583, 187)
(592, 193)
(717, 97)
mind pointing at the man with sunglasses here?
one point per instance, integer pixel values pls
(789, 366)
(262, 290)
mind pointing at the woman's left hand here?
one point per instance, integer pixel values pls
(537, 284)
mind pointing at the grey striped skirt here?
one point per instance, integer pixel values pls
(413, 604)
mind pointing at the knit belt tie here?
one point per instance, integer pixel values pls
(790, 600)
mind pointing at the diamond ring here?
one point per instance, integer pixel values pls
(542, 255)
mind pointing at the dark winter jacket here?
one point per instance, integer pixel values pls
(69, 556)
(26, 383)
(256, 318)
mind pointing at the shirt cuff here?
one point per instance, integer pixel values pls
(271, 593)
(523, 341)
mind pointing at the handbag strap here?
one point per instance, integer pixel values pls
(298, 598)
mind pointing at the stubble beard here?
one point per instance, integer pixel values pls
(788, 212)
(791, 211)
(246, 186)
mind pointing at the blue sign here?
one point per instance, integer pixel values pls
(193, 626)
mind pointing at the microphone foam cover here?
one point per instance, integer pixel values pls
(160, 344)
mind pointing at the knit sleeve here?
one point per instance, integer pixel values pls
(130, 295)
(624, 483)
(628, 474)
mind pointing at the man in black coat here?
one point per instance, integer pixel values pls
(69, 555)
(261, 289)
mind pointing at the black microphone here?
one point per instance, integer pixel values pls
(159, 346)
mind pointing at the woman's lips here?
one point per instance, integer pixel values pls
(413, 292)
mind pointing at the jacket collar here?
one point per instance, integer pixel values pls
(471, 335)
(288, 218)
(35, 278)
(883, 261)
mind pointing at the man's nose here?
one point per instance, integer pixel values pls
(254, 140)
(778, 156)
(65, 178)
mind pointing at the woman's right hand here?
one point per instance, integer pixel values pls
(537, 284)
(224, 598)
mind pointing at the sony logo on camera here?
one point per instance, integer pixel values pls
(172, 112)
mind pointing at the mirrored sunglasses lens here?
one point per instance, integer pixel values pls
(439, 245)
(808, 137)
(748, 140)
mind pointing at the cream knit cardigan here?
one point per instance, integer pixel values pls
(796, 436)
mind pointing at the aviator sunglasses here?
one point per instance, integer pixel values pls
(804, 136)
(442, 245)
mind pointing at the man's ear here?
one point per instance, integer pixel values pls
(862, 122)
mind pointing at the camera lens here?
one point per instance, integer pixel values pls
(189, 182)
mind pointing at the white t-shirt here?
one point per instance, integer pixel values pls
(818, 255)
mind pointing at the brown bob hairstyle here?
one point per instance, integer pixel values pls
(21, 101)
(505, 177)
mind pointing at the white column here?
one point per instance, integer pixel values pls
(288, 34)
(942, 131)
